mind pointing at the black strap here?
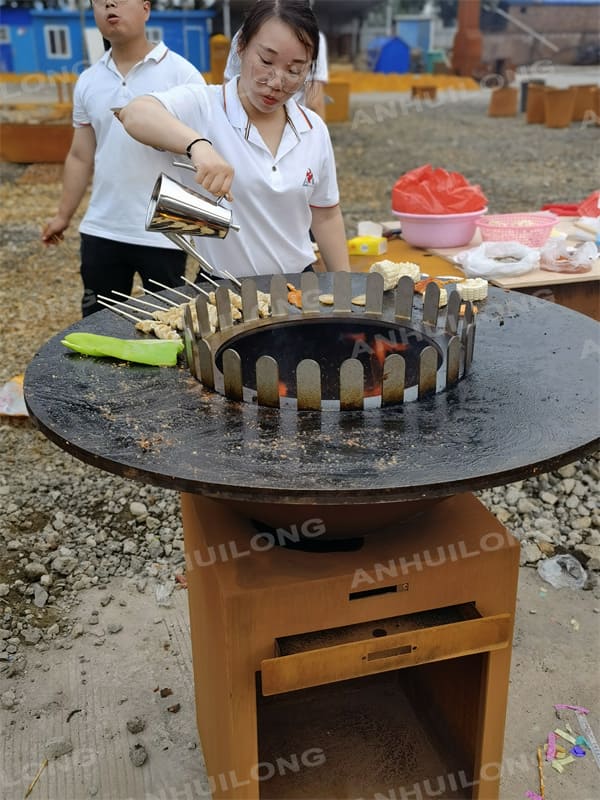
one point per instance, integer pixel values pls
(188, 149)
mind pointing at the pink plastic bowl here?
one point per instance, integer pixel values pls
(439, 230)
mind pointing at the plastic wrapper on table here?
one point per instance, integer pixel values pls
(498, 260)
(558, 256)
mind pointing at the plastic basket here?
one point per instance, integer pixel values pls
(529, 229)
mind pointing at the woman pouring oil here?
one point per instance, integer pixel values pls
(250, 142)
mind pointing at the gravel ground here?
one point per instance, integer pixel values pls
(67, 526)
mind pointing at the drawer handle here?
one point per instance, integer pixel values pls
(402, 650)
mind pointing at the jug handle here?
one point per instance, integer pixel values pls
(186, 165)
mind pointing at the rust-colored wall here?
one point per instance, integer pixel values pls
(571, 29)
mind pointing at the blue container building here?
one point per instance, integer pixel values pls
(52, 40)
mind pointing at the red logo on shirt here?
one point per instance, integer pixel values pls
(309, 180)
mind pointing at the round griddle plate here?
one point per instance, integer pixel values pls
(529, 405)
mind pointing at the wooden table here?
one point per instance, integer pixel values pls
(431, 263)
(580, 292)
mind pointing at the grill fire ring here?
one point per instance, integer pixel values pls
(336, 358)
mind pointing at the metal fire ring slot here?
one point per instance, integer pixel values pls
(336, 357)
(452, 313)
(405, 293)
(431, 305)
(342, 292)
(374, 294)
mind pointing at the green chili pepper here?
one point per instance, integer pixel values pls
(156, 352)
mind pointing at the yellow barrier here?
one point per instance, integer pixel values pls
(20, 89)
(394, 82)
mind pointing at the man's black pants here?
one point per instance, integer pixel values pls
(108, 265)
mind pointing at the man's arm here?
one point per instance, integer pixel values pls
(314, 97)
(314, 93)
(78, 171)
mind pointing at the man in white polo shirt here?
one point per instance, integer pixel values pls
(114, 242)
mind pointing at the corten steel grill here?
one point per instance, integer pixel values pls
(335, 359)
(528, 404)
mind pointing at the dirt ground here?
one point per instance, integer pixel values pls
(86, 694)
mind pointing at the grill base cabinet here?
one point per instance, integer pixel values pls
(380, 672)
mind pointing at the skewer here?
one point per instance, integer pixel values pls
(164, 299)
(541, 772)
(36, 778)
(210, 280)
(118, 311)
(232, 278)
(125, 305)
(197, 288)
(170, 288)
(137, 300)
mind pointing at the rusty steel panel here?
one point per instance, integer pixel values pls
(352, 385)
(427, 371)
(207, 374)
(202, 314)
(431, 304)
(308, 391)
(394, 372)
(404, 298)
(342, 291)
(249, 299)
(374, 304)
(267, 382)
(309, 284)
(232, 375)
(224, 308)
(452, 313)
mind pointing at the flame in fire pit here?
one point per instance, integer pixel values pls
(336, 358)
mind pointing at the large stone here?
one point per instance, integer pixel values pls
(34, 570)
(526, 506)
(8, 699)
(64, 565)
(137, 509)
(568, 471)
(530, 553)
(581, 523)
(592, 553)
(512, 496)
(31, 635)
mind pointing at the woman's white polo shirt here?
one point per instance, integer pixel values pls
(273, 195)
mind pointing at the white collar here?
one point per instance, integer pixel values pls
(156, 54)
(296, 115)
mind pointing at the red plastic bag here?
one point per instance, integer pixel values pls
(562, 209)
(425, 190)
(587, 208)
(590, 207)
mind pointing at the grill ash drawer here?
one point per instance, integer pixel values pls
(352, 651)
